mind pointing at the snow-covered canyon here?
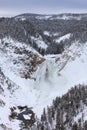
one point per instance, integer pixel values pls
(52, 78)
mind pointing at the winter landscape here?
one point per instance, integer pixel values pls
(43, 67)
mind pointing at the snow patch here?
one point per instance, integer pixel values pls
(47, 33)
(43, 17)
(63, 38)
(39, 41)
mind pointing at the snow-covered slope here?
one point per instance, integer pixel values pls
(40, 43)
(63, 38)
(46, 78)
(17, 63)
(60, 73)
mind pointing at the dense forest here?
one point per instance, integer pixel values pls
(35, 27)
(67, 112)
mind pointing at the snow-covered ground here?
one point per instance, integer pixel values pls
(66, 17)
(56, 17)
(53, 77)
(43, 17)
(63, 38)
(39, 41)
(46, 33)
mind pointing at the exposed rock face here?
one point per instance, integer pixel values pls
(24, 114)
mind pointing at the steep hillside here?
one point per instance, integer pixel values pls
(66, 113)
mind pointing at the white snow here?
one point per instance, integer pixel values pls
(39, 41)
(47, 33)
(63, 38)
(66, 17)
(27, 117)
(23, 19)
(55, 34)
(43, 17)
